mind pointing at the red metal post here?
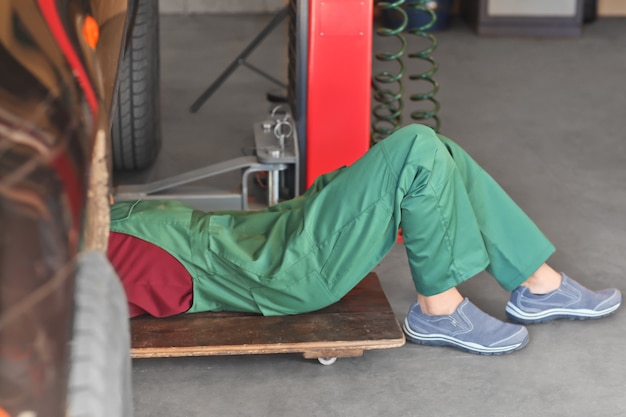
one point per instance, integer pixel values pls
(339, 79)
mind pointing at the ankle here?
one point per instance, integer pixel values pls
(543, 281)
(442, 304)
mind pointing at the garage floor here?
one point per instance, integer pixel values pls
(546, 118)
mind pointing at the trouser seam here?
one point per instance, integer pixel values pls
(443, 221)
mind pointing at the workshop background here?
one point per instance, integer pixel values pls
(544, 115)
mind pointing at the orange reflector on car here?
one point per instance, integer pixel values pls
(91, 31)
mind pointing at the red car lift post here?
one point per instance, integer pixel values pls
(338, 85)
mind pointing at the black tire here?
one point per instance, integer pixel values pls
(100, 371)
(136, 127)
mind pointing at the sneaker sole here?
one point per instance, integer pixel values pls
(519, 316)
(443, 340)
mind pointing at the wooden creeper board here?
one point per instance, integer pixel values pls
(362, 320)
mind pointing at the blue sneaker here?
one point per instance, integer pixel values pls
(570, 301)
(468, 329)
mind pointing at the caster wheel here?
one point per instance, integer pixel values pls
(327, 361)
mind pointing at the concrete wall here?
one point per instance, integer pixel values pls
(224, 6)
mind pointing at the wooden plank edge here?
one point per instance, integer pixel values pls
(332, 325)
(217, 350)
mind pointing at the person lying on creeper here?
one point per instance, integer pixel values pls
(306, 253)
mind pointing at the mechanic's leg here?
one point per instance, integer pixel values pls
(516, 247)
(518, 250)
(426, 193)
(451, 210)
(409, 180)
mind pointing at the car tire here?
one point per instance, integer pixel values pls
(100, 367)
(136, 124)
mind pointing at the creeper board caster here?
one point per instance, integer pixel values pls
(327, 361)
(362, 320)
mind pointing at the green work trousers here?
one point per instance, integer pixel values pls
(304, 254)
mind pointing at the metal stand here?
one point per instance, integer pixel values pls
(277, 148)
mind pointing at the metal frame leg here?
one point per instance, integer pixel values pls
(273, 185)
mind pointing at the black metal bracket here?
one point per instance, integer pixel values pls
(241, 60)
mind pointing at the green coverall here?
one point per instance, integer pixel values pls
(304, 254)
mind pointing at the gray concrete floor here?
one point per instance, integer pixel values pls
(545, 117)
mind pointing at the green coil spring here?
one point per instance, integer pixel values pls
(388, 85)
(424, 81)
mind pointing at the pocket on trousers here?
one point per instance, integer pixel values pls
(290, 294)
